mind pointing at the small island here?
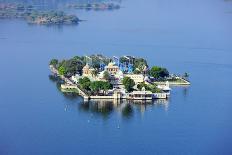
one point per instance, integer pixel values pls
(33, 16)
(95, 6)
(126, 77)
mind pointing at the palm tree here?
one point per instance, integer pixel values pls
(186, 75)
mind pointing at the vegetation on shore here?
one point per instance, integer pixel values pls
(33, 16)
(158, 73)
(73, 66)
(128, 84)
(94, 6)
(95, 87)
(51, 18)
(149, 87)
(69, 67)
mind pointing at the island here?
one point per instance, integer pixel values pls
(126, 77)
(94, 6)
(34, 16)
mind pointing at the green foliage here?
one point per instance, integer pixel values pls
(53, 62)
(97, 59)
(128, 83)
(154, 89)
(35, 16)
(137, 71)
(85, 83)
(123, 60)
(50, 17)
(140, 63)
(61, 70)
(84, 80)
(71, 66)
(149, 87)
(159, 72)
(80, 58)
(186, 75)
(96, 86)
(106, 75)
(141, 85)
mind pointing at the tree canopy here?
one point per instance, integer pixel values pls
(61, 70)
(158, 72)
(85, 83)
(68, 67)
(140, 63)
(128, 83)
(149, 87)
(53, 62)
(106, 75)
(97, 86)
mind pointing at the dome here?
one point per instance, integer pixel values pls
(111, 64)
(86, 66)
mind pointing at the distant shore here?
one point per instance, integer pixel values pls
(95, 6)
(34, 16)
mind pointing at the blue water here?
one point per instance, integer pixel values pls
(191, 36)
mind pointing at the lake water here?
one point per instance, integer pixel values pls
(191, 36)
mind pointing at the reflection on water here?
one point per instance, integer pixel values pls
(185, 91)
(104, 107)
(127, 110)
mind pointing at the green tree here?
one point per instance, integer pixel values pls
(85, 83)
(186, 76)
(128, 83)
(94, 87)
(54, 62)
(123, 60)
(137, 71)
(158, 72)
(62, 70)
(149, 87)
(72, 66)
(140, 63)
(141, 85)
(106, 75)
(106, 86)
(97, 86)
(154, 89)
